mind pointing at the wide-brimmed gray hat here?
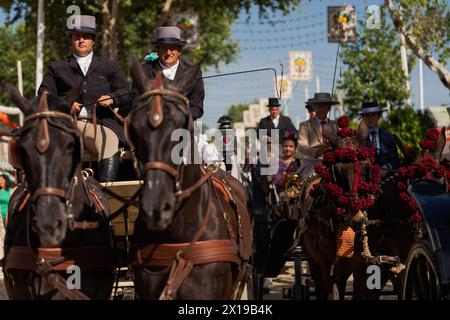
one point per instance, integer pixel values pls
(168, 35)
(82, 23)
(371, 107)
(321, 98)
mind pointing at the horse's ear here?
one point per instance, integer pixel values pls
(362, 132)
(140, 81)
(23, 104)
(409, 153)
(440, 144)
(193, 74)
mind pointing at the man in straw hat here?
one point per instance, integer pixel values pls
(102, 86)
(313, 136)
(168, 45)
(384, 142)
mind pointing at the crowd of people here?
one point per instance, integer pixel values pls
(308, 144)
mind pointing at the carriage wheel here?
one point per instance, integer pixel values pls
(421, 281)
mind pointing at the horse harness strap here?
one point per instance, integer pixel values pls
(158, 165)
(49, 191)
(25, 258)
(201, 252)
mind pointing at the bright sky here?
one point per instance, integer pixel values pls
(265, 45)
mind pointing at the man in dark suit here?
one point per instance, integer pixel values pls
(275, 121)
(102, 84)
(381, 140)
(168, 45)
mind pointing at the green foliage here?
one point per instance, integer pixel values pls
(374, 70)
(138, 19)
(236, 112)
(410, 125)
(18, 44)
(428, 21)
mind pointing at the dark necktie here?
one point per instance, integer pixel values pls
(373, 141)
(323, 123)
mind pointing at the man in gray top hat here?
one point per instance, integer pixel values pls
(168, 45)
(102, 85)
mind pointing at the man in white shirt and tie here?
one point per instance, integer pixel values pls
(384, 142)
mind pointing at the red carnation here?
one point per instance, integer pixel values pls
(346, 132)
(328, 158)
(416, 217)
(433, 134)
(401, 186)
(343, 122)
(368, 202)
(340, 211)
(427, 144)
(356, 205)
(403, 171)
(342, 200)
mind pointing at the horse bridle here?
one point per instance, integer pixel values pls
(155, 119)
(44, 117)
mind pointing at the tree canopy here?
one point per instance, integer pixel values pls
(374, 70)
(127, 25)
(425, 26)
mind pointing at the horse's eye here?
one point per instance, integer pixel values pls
(70, 146)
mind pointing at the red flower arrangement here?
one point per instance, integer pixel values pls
(427, 169)
(430, 143)
(366, 190)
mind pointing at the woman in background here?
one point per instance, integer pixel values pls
(287, 163)
(5, 194)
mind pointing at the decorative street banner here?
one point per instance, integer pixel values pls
(189, 25)
(286, 89)
(300, 65)
(341, 24)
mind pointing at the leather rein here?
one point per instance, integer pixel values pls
(43, 117)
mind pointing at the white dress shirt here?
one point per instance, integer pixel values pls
(275, 121)
(84, 63)
(170, 72)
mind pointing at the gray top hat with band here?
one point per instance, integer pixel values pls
(83, 23)
(371, 107)
(168, 35)
(273, 102)
(321, 98)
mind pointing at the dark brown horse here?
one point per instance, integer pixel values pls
(189, 241)
(390, 230)
(54, 216)
(323, 225)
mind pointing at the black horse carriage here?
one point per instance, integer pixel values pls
(275, 236)
(427, 268)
